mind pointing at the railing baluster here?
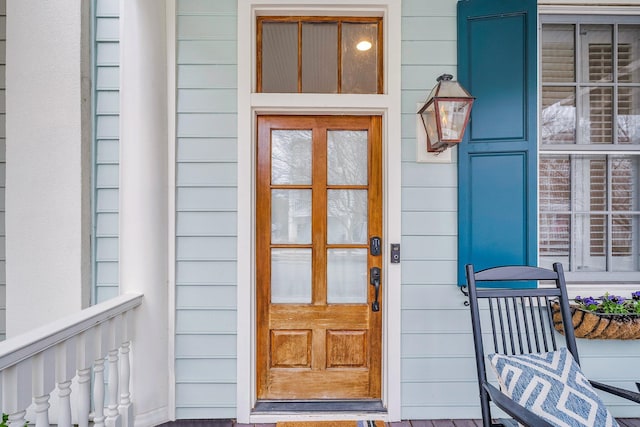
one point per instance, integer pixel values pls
(42, 410)
(84, 396)
(17, 382)
(125, 408)
(43, 382)
(65, 371)
(64, 410)
(98, 393)
(113, 416)
(85, 358)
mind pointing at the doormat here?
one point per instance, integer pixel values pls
(367, 423)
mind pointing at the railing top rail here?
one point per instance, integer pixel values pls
(21, 347)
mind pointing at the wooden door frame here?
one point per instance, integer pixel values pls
(391, 331)
(250, 105)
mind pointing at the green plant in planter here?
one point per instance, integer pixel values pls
(611, 304)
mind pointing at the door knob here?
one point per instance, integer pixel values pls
(375, 282)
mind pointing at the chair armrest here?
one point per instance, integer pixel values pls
(617, 391)
(518, 412)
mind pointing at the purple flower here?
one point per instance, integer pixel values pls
(636, 295)
(589, 301)
(614, 298)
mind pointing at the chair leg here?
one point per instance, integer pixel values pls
(638, 385)
(486, 411)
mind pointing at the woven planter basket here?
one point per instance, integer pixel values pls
(588, 324)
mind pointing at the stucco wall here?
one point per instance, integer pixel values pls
(48, 162)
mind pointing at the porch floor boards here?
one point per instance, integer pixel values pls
(623, 422)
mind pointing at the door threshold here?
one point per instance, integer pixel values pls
(311, 406)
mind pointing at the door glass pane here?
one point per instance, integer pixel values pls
(346, 216)
(279, 57)
(291, 216)
(347, 157)
(291, 276)
(359, 58)
(347, 276)
(291, 157)
(320, 57)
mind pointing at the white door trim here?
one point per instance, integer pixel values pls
(250, 104)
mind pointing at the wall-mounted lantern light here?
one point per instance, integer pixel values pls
(445, 114)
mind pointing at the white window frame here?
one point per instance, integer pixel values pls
(250, 105)
(591, 283)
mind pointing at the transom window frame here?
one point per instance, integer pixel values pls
(606, 16)
(339, 20)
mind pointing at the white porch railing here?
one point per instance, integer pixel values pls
(36, 363)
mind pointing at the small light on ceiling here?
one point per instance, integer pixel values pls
(364, 45)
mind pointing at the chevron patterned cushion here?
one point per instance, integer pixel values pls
(552, 386)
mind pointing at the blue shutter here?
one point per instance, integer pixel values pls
(497, 214)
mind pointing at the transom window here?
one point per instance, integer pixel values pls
(589, 168)
(319, 54)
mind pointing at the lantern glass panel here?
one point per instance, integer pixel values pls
(430, 122)
(452, 116)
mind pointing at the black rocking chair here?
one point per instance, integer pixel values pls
(518, 321)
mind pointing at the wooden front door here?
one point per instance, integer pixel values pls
(319, 210)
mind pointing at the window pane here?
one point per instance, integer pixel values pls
(628, 115)
(320, 57)
(555, 230)
(558, 115)
(599, 116)
(555, 204)
(291, 216)
(589, 243)
(628, 53)
(279, 57)
(291, 276)
(347, 276)
(558, 53)
(598, 41)
(291, 157)
(624, 230)
(588, 202)
(347, 216)
(359, 59)
(347, 157)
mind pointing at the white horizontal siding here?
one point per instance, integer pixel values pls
(106, 33)
(206, 212)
